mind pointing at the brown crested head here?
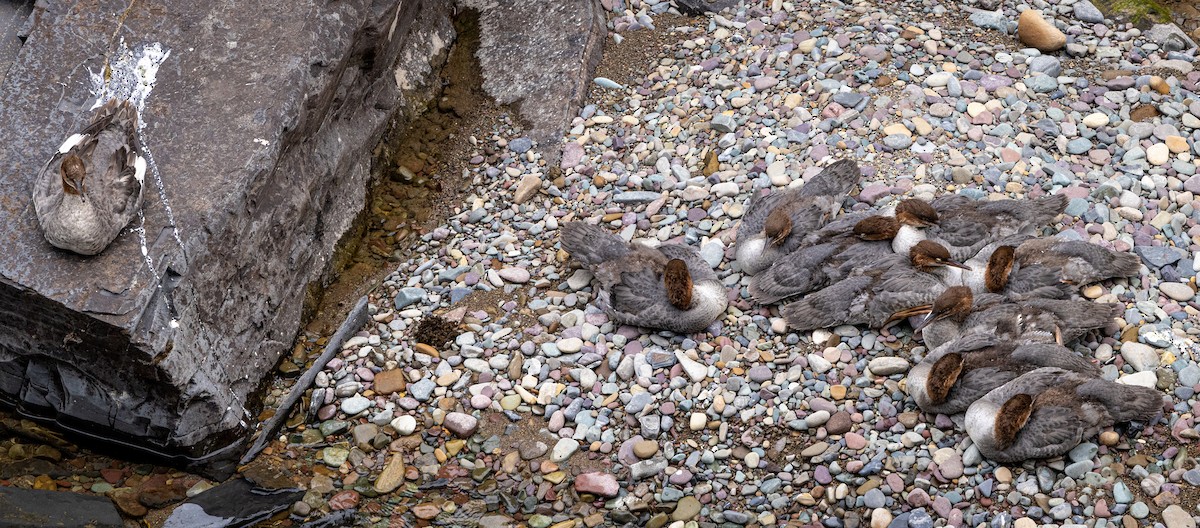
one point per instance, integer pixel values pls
(928, 254)
(916, 212)
(877, 227)
(942, 377)
(999, 266)
(954, 304)
(678, 283)
(72, 170)
(1013, 415)
(777, 227)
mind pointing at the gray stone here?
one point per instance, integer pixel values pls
(407, 296)
(1169, 37)
(539, 57)
(1085, 11)
(29, 507)
(1078, 146)
(1158, 256)
(261, 143)
(461, 424)
(723, 123)
(13, 16)
(990, 20)
(1042, 83)
(897, 141)
(1047, 64)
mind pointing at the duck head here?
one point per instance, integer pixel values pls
(954, 304)
(927, 255)
(916, 213)
(678, 283)
(72, 170)
(942, 377)
(1011, 417)
(777, 227)
(877, 228)
(999, 266)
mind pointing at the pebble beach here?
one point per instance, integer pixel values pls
(538, 411)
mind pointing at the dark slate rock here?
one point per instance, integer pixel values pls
(264, 151)
(234, 503)
(1158, 256)
(539, 56)
(700, 7)
(21, 508)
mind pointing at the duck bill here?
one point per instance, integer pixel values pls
(926, 321)
(957, 265)
(910, 312)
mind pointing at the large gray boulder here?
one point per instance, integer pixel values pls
(261, 123)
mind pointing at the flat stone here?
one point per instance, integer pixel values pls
(563, 449)
(1141, 357)
(32, 507)
(686, 509)
(392, 475)
(237, 499)
(1085, 11)
(1176, 517)
(888, 365)
(1177, 291)
(596, 483)
(389, 381)
(723, 123)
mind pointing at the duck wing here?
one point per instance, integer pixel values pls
(836, 180)
(800, 272)
(1052, 430)
(591, 244)
(844, 302)
(1080, 262)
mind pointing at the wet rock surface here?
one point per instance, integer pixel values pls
(33, 508)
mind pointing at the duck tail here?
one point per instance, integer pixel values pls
(1047, 208)
(1126, 403)
(591, 244)
(116, 113)
(836, 180)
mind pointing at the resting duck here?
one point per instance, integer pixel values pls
(878, 294)
(952, 376)
(92, 187)
(958, 312)
(964, 226)
(668, 287)
(1049, 411)
(850, 242)
(775, 224)
(1077, 262)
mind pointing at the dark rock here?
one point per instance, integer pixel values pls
(233, 503)
(13, 16)
(540, 55)
(21, 508)
(839, 423)
(700, 7)
(263, 135)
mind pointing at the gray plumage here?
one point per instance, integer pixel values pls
(829, 255)
(85, 213)
(1066, 408)
(869, 296)
(632, 289)
(965, 226)
(985, 362)
(1023, 320)
(1077, 261)
(808, 208)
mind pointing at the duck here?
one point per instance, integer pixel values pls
(668, 287)
(952, 376)
(1077, 262)
(1048, 411)
(964, 226)
(775, 224)
(958, 311)
(878, 293)
(848, 243)
(91, 188)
